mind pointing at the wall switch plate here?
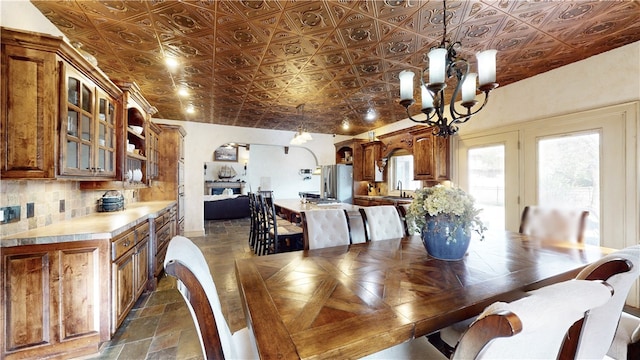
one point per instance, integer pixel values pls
(10, 214)
(30, 210)
(62, 205)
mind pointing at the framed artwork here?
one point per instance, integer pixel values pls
(226, 153)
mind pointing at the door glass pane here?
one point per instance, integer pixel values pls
(486, 184)
(569, 175)
(86, 128)
(102, 112)
(85, 155)
(72, 91)
(101, 158)
(72, 154)
(72, 123)
(102, 133)
(110, 114)
(86, 99)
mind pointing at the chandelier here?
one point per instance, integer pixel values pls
(444, 63)
(301, 136)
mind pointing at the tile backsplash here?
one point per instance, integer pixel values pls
(53, 201)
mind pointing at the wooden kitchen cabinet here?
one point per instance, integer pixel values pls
(431, 159)
(350, 152)
(130, 271)
(88, 129)
(164, 228)
(58, 111)
(370, 157)
(170, 184)
(55, 299)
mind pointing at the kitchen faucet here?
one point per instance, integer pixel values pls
(400, 187)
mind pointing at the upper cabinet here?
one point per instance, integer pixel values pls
(350, 152)
(88, 136)
(59, 113)
(430, 156)
(371, 170)
(139, 138)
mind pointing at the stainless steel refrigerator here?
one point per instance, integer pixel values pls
(337, 183)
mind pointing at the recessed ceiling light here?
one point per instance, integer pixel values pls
(172, 63)
(191, 109)
(371, 115)
(183, 92)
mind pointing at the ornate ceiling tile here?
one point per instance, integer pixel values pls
(251, 62)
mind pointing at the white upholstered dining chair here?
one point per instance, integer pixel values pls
(382, 222)
(603, 325)
(554, 223)
(529, 328)
(185, 261)
(541, 321)
(325, 228)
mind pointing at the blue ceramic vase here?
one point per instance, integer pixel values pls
(442, 242)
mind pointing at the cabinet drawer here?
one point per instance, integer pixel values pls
(160, 220)
(162, 252)
(122, 244)
(163, 235)
(142, 231)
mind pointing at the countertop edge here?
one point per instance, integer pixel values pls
(95, 226)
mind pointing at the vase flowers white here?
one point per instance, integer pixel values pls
(449, 203)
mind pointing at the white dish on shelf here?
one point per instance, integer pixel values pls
(136, 129)
(137, 175)
(131, 147)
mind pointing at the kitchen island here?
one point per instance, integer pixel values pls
(67, 287)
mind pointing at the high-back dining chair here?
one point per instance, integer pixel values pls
(402, 210)
(325, 228)
(532, 327)
(593, 337)
(617, 270)
(282, 233)
(382, 222)
(554, 223)
(185, 261)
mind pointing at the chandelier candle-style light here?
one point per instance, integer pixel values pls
(444, 63)
(301, 136)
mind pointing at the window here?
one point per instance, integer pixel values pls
(401, 173)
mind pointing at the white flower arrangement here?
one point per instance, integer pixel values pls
(453, 203)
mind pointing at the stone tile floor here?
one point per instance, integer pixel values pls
(160, 325)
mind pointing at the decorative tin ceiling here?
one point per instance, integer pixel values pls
(250, 63)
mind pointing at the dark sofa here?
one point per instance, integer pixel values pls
(226, 208)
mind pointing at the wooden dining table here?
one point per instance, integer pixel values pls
(351, 301)
(291, 208)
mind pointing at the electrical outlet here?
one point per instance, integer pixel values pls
(30, 211)
(62, 207)
(10, 214)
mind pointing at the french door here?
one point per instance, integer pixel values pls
(488, 170)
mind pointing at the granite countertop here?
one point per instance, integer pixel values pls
(102, 225)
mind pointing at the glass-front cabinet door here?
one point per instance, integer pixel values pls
(89, 132)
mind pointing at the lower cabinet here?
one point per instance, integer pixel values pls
(129, 271)
(61, 300)
(165, 228)
(54, 299)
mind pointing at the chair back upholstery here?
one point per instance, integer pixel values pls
(554, 223)
(534, 326)
(599, 327)
(325, 228)
(185, 261)
(382, 222)
(356, 227)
